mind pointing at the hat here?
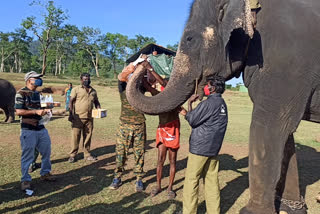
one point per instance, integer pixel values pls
(31, 74)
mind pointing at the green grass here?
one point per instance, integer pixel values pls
(82, 186)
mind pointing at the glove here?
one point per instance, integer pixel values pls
(138, 61)
(70, 118)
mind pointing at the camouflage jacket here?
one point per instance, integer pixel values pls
(128, 114)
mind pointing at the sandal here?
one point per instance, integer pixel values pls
(155, 192)
(171, 195)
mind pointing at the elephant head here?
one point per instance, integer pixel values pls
(206, 48)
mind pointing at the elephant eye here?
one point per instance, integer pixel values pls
(189, 38)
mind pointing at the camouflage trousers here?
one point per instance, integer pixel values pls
(128, 135)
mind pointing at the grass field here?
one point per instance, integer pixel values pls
(82, 187)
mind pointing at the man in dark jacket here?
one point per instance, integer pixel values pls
(209, 123)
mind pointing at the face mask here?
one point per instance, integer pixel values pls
(86, 83)
(38, 82)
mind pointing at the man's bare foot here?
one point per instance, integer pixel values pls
(155, 191)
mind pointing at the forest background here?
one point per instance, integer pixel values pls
(48, 43)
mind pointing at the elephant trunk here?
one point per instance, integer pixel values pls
(177, 91)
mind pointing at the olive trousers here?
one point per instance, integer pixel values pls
(84, 127)
(197, 167)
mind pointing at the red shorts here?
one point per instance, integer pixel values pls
(169, 134)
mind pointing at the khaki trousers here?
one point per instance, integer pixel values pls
(206, 167)
(84, 126)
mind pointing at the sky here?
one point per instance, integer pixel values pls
(162, 19)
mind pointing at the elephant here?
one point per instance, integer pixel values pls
(279, 63)
(7, 99)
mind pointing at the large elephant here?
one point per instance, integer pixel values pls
(280, 66)
(7, 96)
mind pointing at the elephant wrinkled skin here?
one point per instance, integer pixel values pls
(7, 96)
(280, 66)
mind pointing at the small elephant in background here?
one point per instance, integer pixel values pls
(7, 99)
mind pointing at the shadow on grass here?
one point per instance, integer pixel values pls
(86, 180)
(57, 118)
(180, 165)
(308, 165)
(95, 152)
(131, 204)
(93, 178)
(233, 190)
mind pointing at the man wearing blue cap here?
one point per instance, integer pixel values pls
(33, 134)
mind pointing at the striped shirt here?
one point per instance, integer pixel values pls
(29, 100)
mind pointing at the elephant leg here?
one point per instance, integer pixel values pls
(7, 113)
(11, 114)
(288, 185)
(266, 147)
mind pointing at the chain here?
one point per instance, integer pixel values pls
(293, 205)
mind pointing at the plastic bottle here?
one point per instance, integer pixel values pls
(42, 101)
(45, 118)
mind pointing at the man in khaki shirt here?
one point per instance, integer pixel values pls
(82, 99)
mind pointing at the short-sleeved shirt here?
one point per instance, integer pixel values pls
(84, 101)
(29, 100)
(128, 114)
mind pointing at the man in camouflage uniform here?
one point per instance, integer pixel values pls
(132, 129)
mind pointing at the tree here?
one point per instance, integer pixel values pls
(63, 45)
(80, 63)
(20, 45)
(53, 19)
(173, 47)
(115, 49)
(139, 42)
(89, 39)
(5, 48)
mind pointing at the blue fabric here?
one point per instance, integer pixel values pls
(31, 140)
(68, 98)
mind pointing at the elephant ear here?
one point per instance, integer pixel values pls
(234, 15)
